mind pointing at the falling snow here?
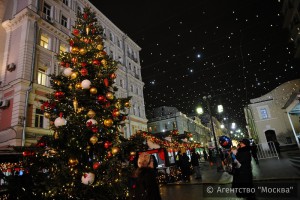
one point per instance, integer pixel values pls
(231, 50)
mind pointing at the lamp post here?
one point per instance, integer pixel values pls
(220, 109)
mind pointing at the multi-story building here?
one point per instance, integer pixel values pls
(166, 119)
(33, 32)
(290, 11)
(275, 115)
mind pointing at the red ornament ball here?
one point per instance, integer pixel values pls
(107, 144)
(96, 165)
(84, 71)
(76, 32)
(101, 98)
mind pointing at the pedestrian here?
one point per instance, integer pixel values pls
(254, 152)
(210, 157)
(205, 155)
(231, 163)
(242, 177)
(195, 164)
(146, 186)
(277, 146)
(185, 167)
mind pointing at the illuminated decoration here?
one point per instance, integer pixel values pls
(86, 84)
(88, 178)
(82, 117)
(68, 71)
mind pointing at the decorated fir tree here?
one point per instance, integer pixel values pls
(83, 158)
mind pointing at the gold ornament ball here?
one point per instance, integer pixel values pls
(47, 115)
(57, 82)
(110, 95)
(91, 114)
(80, 109)
(74, 49)
(118, 105)
(93, 90)
(70, 87)
(108, 122)
(55, 135)
(94, 139)
(82, 51)
(74, 75)
(132, 153)
(104, 62)
(115, 150)
(73, 161)
(127, 104)
(78, 86)
(100, 47)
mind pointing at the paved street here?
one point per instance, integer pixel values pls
(271, 173)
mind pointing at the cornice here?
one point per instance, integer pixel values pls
(19, 18)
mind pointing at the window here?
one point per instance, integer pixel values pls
(42, 77)
(44, 42)
(111, 37)
(174, 125)
(264, 113)
(64, 21)
(119, 43)
(122, 83)
(139, 111)
(47, 11)
(131, 88)
(79, 10)
(66, 2)
(62, 48)
(39, 118)
(137, 90)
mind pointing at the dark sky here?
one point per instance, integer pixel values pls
(233, 50)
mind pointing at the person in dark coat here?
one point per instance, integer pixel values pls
(242, 177)
(205, 155)
(185, 167)
(146, 186)
(254, 152)
(195, 164)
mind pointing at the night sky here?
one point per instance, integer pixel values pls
(233, 50)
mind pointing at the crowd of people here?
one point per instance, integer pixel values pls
(236, 161)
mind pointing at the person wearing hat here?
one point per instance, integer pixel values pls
(243, 177)
(146, 186)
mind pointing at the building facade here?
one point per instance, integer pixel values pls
(274, 116)
(33, 32)
(167, 119)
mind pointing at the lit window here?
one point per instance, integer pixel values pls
(64, 21)
(44, 42)
(39, 118)
(62, 48)
(264, 113)
(42, 77)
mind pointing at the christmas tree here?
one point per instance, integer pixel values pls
(83, 158)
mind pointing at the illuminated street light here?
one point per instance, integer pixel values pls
(199, 110)
(233, 125)
(220, 109)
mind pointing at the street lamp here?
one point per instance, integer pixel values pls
(220, 109)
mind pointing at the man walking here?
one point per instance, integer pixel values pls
(195, 164)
